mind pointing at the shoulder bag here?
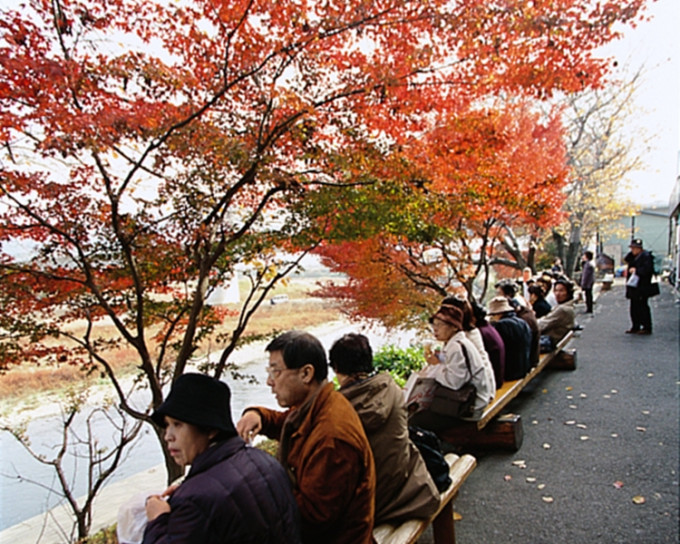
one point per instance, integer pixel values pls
(455, 402)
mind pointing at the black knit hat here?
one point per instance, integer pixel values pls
(200, 400)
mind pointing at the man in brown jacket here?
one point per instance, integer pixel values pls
(323, 446)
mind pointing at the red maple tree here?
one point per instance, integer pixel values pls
(150, 147)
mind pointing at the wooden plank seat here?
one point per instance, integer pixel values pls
(442, 521)
(506, 431)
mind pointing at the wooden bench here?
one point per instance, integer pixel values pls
(442, 520)
(506, 431)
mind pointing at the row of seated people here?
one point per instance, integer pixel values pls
(490, 346)
(345, 460)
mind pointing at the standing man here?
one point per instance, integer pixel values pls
(588, 279)
(322, 444)
(641, 264)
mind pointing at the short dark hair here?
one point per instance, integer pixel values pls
(589, 255)
(351, 354)
(509, 287)
(300, 348)
(537, 290)
(568, 285)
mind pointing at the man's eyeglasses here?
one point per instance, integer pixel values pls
(273, 372)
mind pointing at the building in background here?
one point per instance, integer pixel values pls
(651, 224)
(674, 234)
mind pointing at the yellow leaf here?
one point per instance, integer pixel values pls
(457, 516)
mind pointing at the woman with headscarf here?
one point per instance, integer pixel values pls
(455, 365)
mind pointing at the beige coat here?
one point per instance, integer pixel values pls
(404, 488)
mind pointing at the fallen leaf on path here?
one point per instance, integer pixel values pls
(650, 375)
(645, 412)
(507, 477)
(530, 479)
(582, 426)
(570, 422)
(548, 499)
(546, 446)
(534, 422)
(615, 435)
(540, 486)
(607, 396)
(457, 516)
(639, 499)
(585, 438)
(641, 429)
(573, 406)
(569, 388)
(615, 391)
(520, 463)
(570, 397)
(618, 484)
(544, 391)
(583, 396)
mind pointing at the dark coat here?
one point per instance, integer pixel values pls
(529, 317)
(516, 336)
(232, 493)
(541, 307)
(644, 268)
(587, 275)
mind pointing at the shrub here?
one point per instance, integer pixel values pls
(399, 362)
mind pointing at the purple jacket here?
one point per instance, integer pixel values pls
(493, 344)
(232, 493)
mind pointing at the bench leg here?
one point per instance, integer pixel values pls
(565, 359)
(442, 527)
(505, 432)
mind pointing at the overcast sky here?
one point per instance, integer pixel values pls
(656, 46)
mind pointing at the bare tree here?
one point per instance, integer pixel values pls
(601, 155)
(83, 440)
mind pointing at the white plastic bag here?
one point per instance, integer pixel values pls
(633, 281)
(132, 519)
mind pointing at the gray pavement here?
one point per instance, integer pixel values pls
(596, 440)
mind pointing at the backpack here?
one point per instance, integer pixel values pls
(430, 449)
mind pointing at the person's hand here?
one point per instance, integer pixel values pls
(432, 358)
(249, 425)
(170, 490)
(155, 506)
(631, 270)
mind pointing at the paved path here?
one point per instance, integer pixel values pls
(596, 439)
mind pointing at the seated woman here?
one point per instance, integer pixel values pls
(540, 306)
(555, 325)
(232, 493)
(450, 368)
(404, 488)
(474, 334)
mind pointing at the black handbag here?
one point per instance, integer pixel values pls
(455, 402)
(654, 289)
(430, 449)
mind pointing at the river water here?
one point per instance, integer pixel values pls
(21, 499)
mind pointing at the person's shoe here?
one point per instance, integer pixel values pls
(644, 331)
(632, 331)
